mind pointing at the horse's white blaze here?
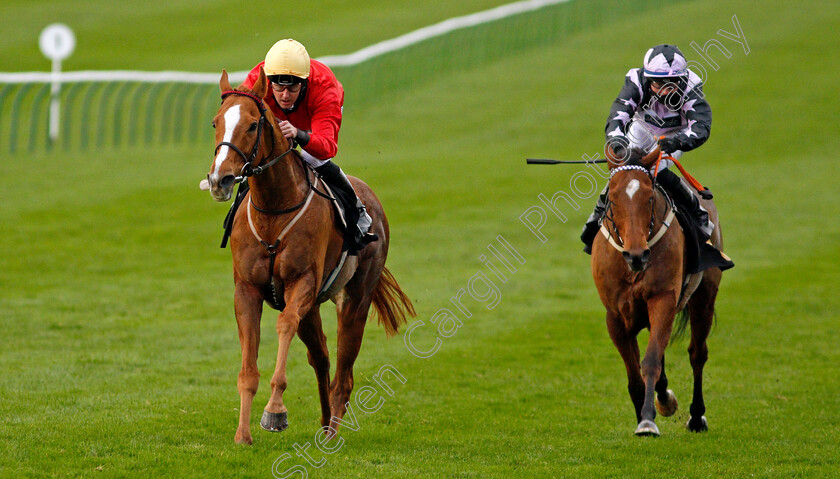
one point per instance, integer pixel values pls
(231, 120)
(632, 188)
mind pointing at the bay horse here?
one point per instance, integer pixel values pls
(638, 263)
(285, 248)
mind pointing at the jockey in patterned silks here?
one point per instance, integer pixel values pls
(308, 101)
(662, 98)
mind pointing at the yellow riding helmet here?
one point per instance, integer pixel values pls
(287, 57)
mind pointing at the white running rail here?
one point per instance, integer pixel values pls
(355, 58)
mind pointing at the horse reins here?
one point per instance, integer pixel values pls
(666, 223)
(704, 192)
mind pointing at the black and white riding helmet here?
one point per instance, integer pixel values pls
(666, 64)
(665, 61)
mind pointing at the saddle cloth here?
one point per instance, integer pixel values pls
(700, 256)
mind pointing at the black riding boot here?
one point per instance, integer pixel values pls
(359, 221)
(684, 196)
(593, 224)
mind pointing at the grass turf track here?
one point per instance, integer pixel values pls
(119, 351)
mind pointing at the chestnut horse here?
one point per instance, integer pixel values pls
(285, 247)
(638, 263)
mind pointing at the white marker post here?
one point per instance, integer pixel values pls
(57, 43)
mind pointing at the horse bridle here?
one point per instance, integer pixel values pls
(652, 239)
(248, 169)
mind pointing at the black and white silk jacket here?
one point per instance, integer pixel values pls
(684, 115)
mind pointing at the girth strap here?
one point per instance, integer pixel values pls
(331, 278)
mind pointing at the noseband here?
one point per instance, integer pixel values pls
(249, 169)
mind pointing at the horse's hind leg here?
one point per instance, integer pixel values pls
(248, 307)
(701, 310)
(666, 401)
(628, 348)
(312, 335)
(352, 317)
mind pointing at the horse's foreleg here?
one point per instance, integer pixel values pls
(701, 315)
(299, 301)
(661, 311)
(248, 307)
(312, 335)
(352, 316)
(628, 348)
(666, 401)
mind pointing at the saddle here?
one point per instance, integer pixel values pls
(342, 203)
(700, 255)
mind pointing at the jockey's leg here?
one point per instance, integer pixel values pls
(684, 195)
(334, 176)
(593, 223)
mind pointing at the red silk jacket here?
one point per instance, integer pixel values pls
(319, 112)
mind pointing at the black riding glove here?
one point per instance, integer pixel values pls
(669, 145)
(302, 137)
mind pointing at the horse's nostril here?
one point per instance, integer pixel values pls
(227, 181)
(637, 262)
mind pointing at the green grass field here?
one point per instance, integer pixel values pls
(119, 351)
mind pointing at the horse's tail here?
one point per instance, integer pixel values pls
(681, 324)
(391, 303)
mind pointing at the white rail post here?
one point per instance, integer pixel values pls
(57, 43)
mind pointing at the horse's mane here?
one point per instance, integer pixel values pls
(250, 91)
(270, 117)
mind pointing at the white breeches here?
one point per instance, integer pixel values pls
(311, 160)
(641, 136)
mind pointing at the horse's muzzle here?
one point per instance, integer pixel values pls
(221, 190)
(637, 262)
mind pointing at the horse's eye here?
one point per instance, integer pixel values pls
(253, 127)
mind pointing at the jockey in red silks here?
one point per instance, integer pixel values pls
(663, 98)
(308, 100)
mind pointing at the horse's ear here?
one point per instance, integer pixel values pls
(261, 86)
(612, 159)
(224, 83)
(650, 159)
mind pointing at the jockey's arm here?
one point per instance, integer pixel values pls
(301, 137)
(322, 142)
(624, 107)
(698, 115)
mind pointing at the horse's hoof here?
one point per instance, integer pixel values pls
(274, 421)
(697, 425)
(647, 428)
(670, 407)
(245, 439)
